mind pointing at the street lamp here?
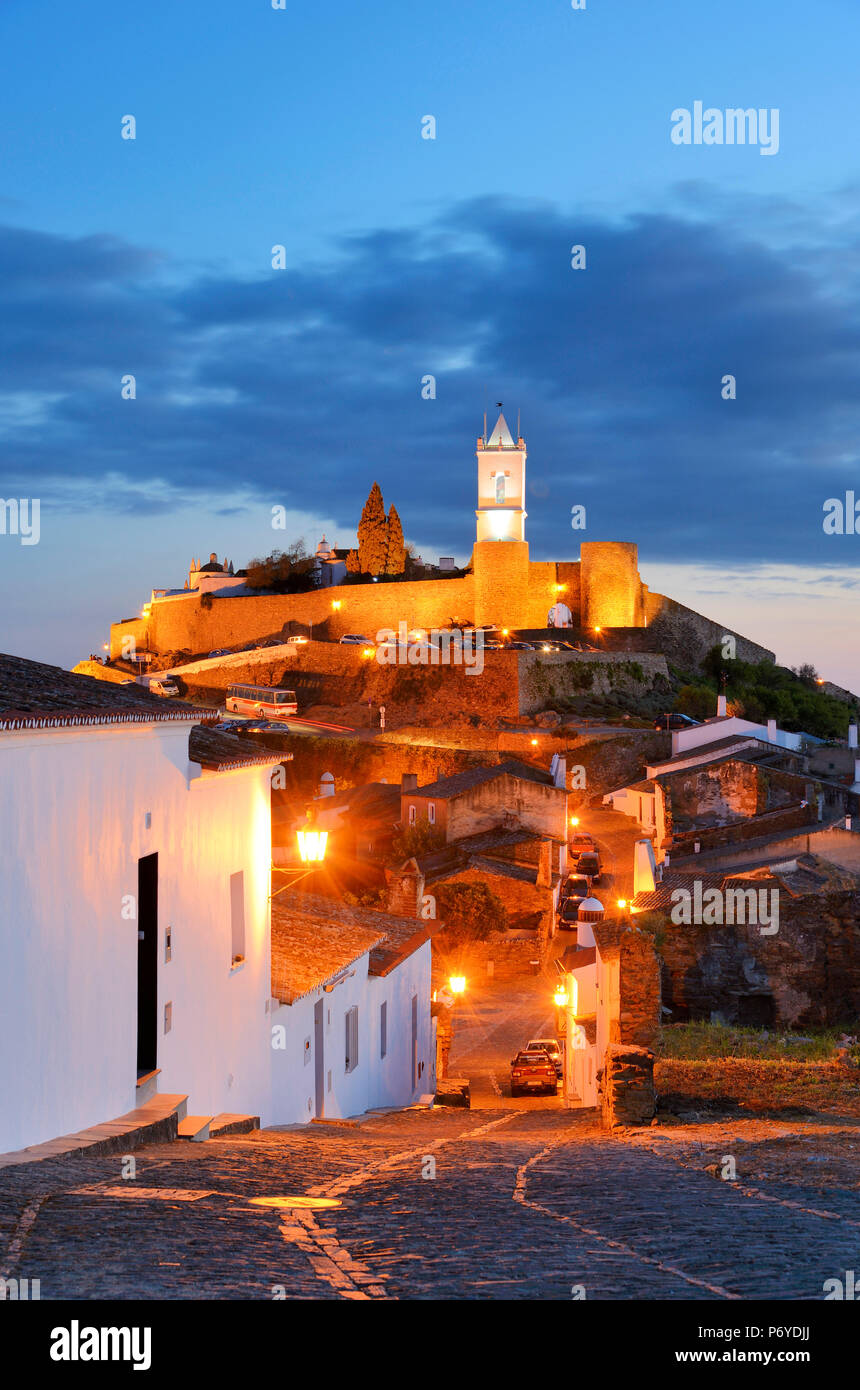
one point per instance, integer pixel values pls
(621, 904)
(561, 997)
(574, 820)
(312, 845)
(457, 984)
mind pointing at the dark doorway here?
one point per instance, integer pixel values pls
(319, 1058)
(756, 1011)
(147, 964)
(414, 1041)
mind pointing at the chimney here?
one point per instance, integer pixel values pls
(771, 731)
(406, 890)
(544, 874)
(852, 735)
(676, 742)
(644, 868)
(721, 707)
(408, 783)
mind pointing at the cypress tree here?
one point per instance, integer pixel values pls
(373, 534)
(396, 559)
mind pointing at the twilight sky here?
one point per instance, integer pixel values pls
(405, 257)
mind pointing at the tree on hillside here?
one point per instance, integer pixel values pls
(396, 558)
(373, 534)
(289, 571)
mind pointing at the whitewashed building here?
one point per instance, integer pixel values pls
(135, 924)
(351, 1025)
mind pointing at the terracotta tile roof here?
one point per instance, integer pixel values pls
(34, 695)
(314, 939)
(447, 787)
(223, 752)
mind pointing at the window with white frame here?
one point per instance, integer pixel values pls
(412, 815)
(431, 812)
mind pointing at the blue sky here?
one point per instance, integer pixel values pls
(405, 256)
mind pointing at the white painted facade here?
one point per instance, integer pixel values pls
(687, 740)
(375, 1080)
(79, 806)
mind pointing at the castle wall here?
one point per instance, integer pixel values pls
(611, 588)
(196, 625)
(686, 636)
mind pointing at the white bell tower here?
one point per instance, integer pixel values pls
(501, 510)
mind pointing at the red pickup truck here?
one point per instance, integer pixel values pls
(533, 1071)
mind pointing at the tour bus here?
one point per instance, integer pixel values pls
(261, 700)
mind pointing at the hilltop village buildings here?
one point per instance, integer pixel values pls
(167, 954)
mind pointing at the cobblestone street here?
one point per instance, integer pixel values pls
(525, 1203)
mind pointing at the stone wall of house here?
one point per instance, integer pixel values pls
(807, 974)
(790, 818)
(639, 1015)
(627, 1094)
(504, 957)
(537, 806)
(527, 905)
(733, 790)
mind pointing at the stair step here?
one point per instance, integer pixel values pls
(154, 1122)
(226, 1123)
(194, 1127)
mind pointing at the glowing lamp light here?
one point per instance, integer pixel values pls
(457, 984)
(504, 632)
(368, 651)
(621, 904)
(534, 743)
(312, 845)
(561, 996)
(574, 820)
(335, 603)
(500, 524)
(104, 646)
(597, 629)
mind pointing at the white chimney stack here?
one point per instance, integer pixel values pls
(721, 707)
(856, 787)
(771, 731)
(852, 735)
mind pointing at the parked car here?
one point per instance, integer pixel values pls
(354, 639)
(553, 1047)
(221, 651)
(675, 721)
(579, 841)
(588, 864)
(494, 646)
(533, 1071)
(575, 889)
(520, 647)
(295, 641)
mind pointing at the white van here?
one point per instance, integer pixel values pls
(159, 685)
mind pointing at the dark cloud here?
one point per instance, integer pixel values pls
(304, 385)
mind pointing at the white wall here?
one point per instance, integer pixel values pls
(684, 740)
(73, 806)
(376, 1081)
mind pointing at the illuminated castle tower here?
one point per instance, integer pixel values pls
(501, 486)
(500, 558)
